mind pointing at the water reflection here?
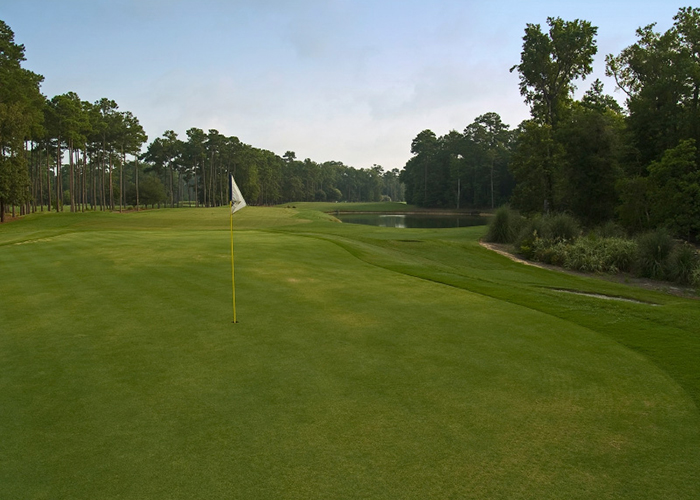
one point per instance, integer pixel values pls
(420, 221)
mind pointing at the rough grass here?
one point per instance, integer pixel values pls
(367, 363)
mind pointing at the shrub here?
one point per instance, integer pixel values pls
(530, 231)
(695, 277)
(601, 255)
(503, 226)
(653, 252)
(620, 254)
(550, 251)
(562, 227)
(683, 261)
(550, 229)
(609, 230)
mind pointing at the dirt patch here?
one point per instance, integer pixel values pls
(622, 278)
(604, 297)
(9, 218)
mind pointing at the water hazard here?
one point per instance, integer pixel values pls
(418, 221)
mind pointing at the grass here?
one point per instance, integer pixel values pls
(367, 363)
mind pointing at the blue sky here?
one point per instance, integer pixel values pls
(352, 81)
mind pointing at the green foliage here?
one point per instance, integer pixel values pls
(550, 228)
(21, 106)
(675, 190)
(531, 230)
(683, 262)
(536, 166)
(635, 209)
(459, 170)
(653, 252)
(151, 191)
(561, 227)
(504, 226)
(590, 167)
(661, 76)
(601, 255)
(551, 62)
(549, 251)
(587, 254)
(695, 277)
(609, 229)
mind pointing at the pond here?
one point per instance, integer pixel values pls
(422, 221)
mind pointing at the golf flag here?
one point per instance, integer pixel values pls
(237, 201)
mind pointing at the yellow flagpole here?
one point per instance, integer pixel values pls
(233, 278)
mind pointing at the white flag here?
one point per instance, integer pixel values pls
(237, 201)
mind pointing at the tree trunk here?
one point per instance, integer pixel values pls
(59, 178)
(103, 205)
(121, 181)
(492, 165)
(111, 185)
(48, 175)
(136, 175)
(102, 174)
(85, 185)
(41, 183)
(204, 182)
(93, 173)
(172, 199)
(71, 176)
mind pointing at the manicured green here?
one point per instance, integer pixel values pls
(367, 363)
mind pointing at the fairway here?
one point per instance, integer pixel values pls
(367, 363)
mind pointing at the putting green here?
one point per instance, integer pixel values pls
(367, 363)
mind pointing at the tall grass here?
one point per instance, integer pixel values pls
(504, 226)
(539, 233)
(683, 261)
(557, 240)
(653, 254)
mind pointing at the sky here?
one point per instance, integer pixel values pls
(346, 80)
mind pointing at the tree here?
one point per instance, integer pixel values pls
(661, 76)
(68, 124)
(21, 104)
(131, 137)
(591, 139)
(534, 166)
(675, 190)
(152, 190)
(550, 63)
(492, 138)
(416, 172)
(105, 125)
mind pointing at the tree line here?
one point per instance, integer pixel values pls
(197, 168)
(461, 170)
(638, 165)
(68, 152)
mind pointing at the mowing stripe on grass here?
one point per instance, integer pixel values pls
(121, 375)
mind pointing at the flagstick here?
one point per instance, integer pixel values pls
(233, 279)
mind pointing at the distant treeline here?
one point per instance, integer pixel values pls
(590, 157)
(65, 151)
